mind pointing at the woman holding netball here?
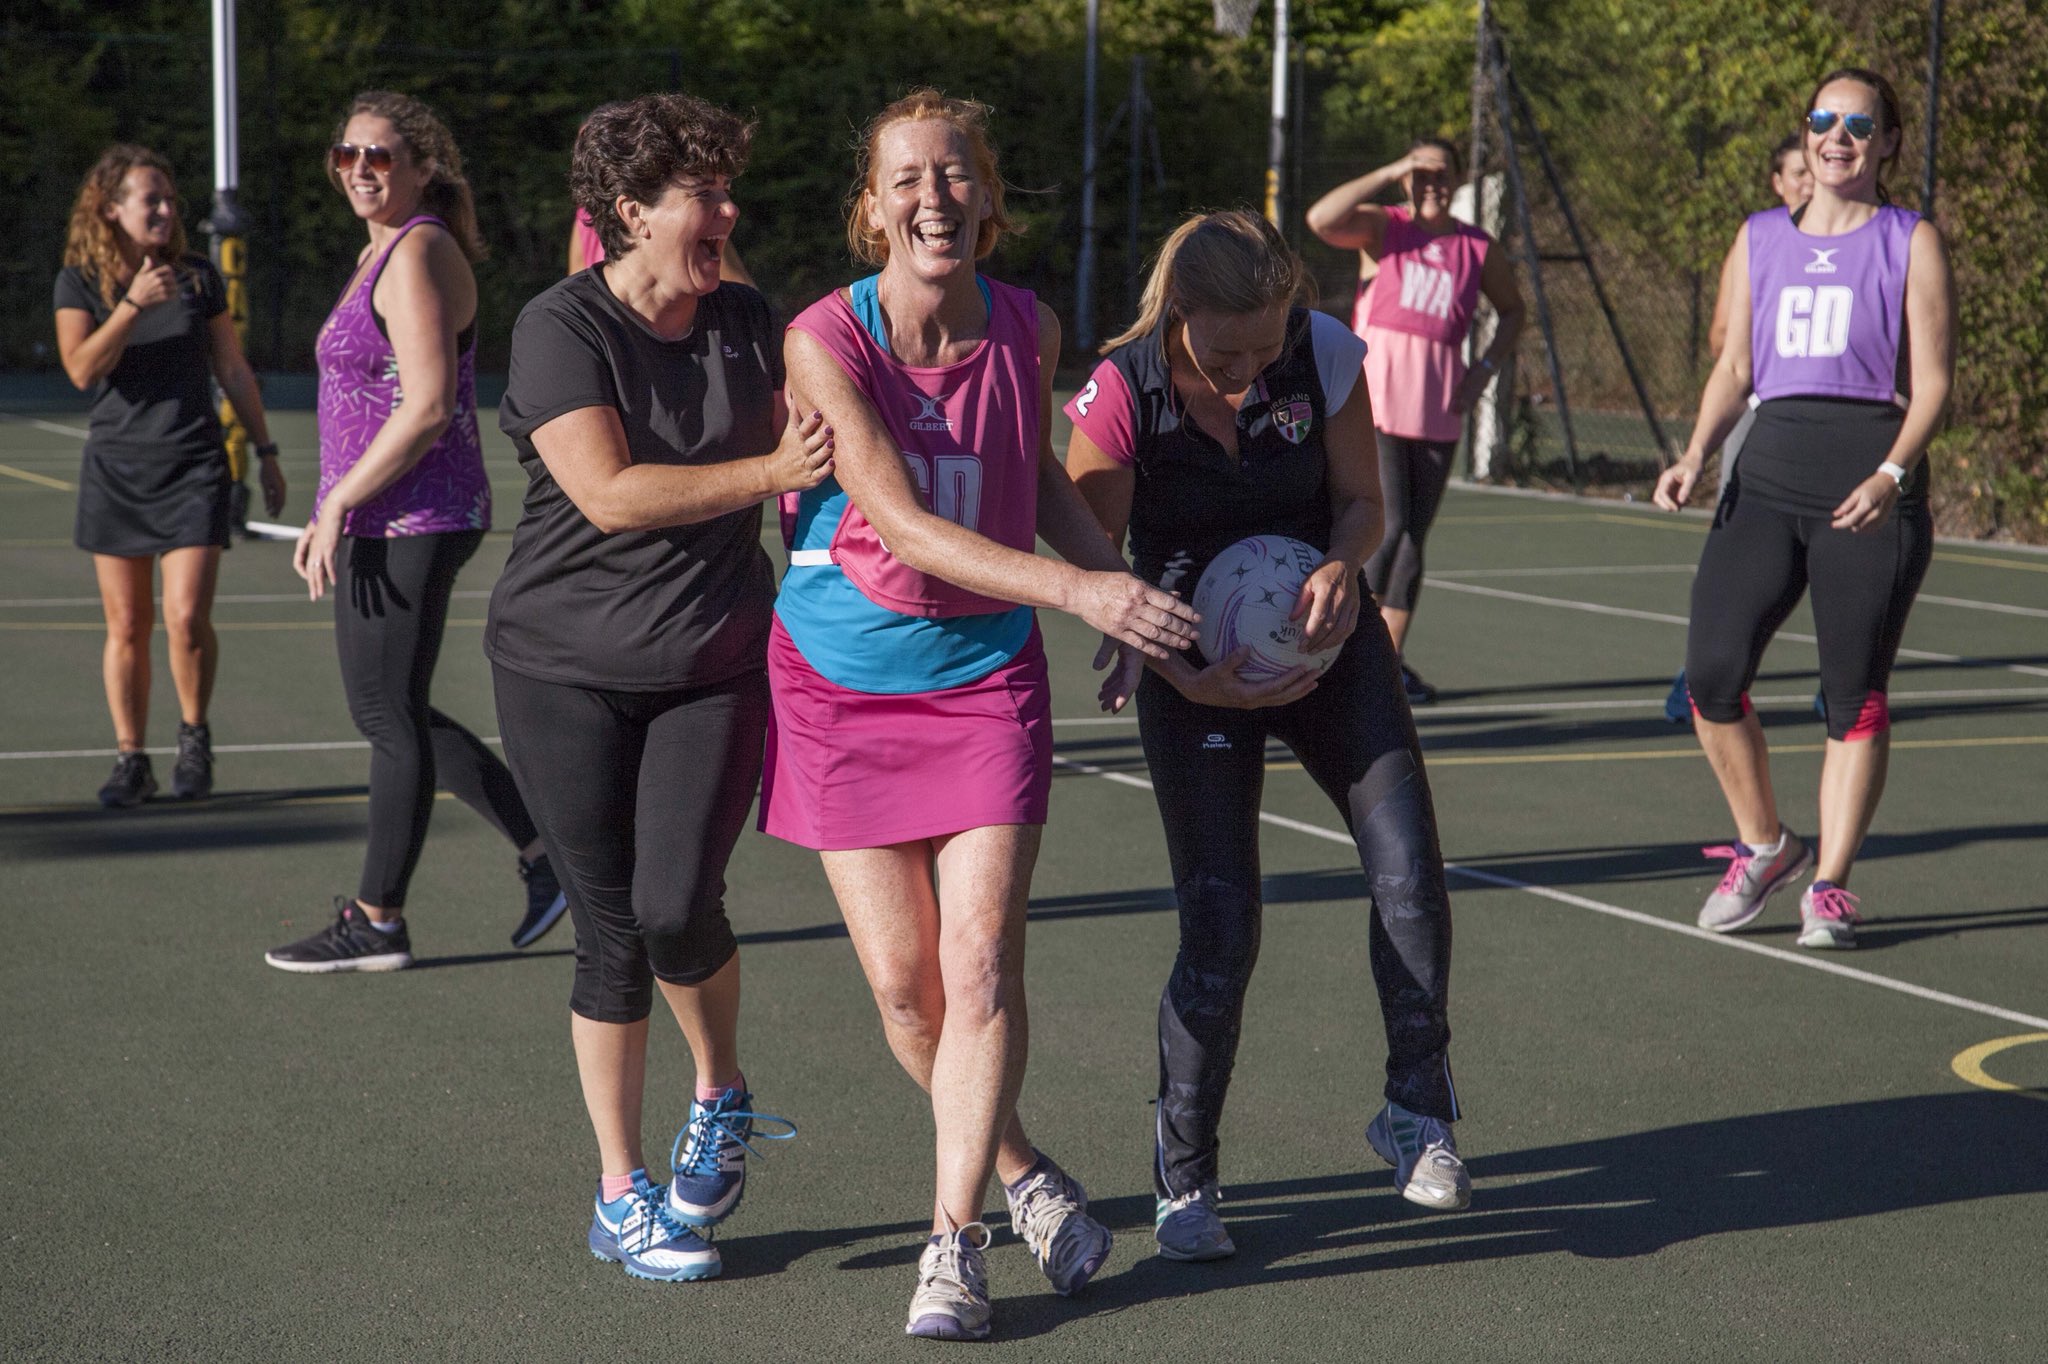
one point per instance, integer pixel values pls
(1226, 411)
(626, 639)
(1421, 276)
(144, 327)
(912, 741)
(1831, 318)
(403, 504)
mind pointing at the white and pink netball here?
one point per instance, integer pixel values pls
(1245, 597)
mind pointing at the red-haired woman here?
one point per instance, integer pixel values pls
(144, 326)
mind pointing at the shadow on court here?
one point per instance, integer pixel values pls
(167, 826)
(1608, 1199)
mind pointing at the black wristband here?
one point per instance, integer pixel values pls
(267, 450)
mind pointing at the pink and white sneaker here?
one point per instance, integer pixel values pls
(1827, 916)
(1751, 880)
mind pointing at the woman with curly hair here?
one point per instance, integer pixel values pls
(143, 325)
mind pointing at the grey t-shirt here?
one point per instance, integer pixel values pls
(687, 606)
(158, 402)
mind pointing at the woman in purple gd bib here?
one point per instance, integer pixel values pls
(1848, 308)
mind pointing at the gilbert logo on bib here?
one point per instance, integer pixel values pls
(1823, 262)
(930, 416)
(1293, 419)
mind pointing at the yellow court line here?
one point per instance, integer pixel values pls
(1969, 1064)
(1645, 754)
(1948, 557)
(1667, 522)
(1522, 519)
(40, 480)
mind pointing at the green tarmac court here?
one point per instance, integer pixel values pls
(1683, 1146)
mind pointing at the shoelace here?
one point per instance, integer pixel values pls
(1188, 1200)
(710, 1132)
(655, 1227)
(1731, 880)
(1837, 904)
(1045, 1203)
(951, 1266)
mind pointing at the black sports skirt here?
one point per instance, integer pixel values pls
(136, 506)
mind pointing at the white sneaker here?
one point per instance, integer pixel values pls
(1750, 881)
(1050, 1211)
(951, 1302)
(1424, 1155)
(1827, 917)
(1189, 1227)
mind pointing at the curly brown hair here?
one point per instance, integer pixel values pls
(91, 242)
(969, 118)
(636, 148)
(447, 195)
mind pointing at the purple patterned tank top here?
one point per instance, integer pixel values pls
(447, 490)
(1826, 312)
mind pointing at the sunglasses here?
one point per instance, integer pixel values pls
(342, 156)
(1821, 122)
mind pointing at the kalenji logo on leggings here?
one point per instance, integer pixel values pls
(1210, 741)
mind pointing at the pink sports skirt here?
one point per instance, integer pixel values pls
(850, 769)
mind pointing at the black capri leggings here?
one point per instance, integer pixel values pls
(1413, 474)
(1772, 542)
(641, 797)
(390, 607)
(1354, 736)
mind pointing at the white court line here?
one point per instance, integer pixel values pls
(2000, 607)
(1436, 573)
(237, 598)
(40, 425)
(1809, 961)
(1801, 699)
(1667, 618)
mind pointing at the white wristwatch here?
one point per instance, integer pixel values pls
(1895, 472)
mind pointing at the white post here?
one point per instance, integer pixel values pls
(226, 148)
(1276, 144)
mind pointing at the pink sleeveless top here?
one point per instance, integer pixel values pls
(969, 432)
(586, 233)
(1414, 315)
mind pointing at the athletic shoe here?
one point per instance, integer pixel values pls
(131, 783)
(1750, 880)
(1678, 702)
(1827, 916)
(951, 1302)
(1188, 1227)
(1420, 693)
(544, 901)
(1049, 1209)
(636, 1231)
(709, 1157)
(192, 778)
(1424, 1155)
(347, 944)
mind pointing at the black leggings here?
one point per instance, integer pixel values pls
(1413, 474)
(1354, 736)
(641, 797)
(390, 606)
(1767, 548)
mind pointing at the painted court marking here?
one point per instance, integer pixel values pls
(1809, 961)
(1969, 1064)
(40, 480)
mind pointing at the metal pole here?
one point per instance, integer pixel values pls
(1133, 262)
(1475, 167)
(1532, 257)
(226, 226)
(1084, 284)
(1933, 108)
(1276, 142)
(1571, 221)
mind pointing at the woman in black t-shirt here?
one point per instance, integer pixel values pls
(1224, 412)
(628, 639)
(144, 327)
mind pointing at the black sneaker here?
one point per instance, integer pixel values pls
(192, 778)
(1420, 693)
(347, 944)
(544, 901)
(131, 783)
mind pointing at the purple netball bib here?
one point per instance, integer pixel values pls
(1826, 312)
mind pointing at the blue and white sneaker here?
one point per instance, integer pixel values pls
(951, 1302)
(1424, 1154)
(636, 1231)
(709, 1157)
(1049, 1209)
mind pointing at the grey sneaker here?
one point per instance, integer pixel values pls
(1188, 1227)
(1827, 916)
(1750, 881)
(1049, 1209)
(951, 1302)
(1424, 1155)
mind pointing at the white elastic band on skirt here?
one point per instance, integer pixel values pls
(809, 558)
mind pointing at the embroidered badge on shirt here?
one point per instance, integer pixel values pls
(1292, 420)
